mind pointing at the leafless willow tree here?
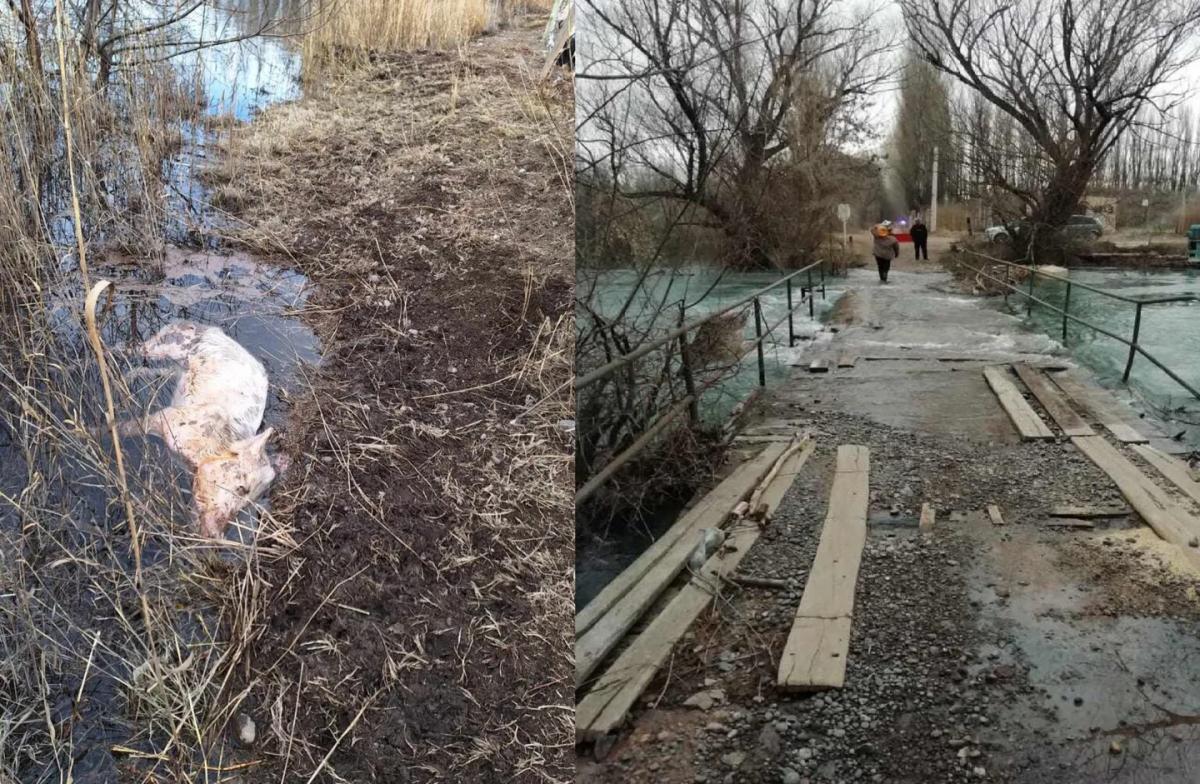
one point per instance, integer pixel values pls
(1066, 78)
(699, 102)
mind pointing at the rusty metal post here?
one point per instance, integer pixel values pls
(762, 366)
(689, 382)
(1029, 299)
(1133, 345)
(1066, 308)
(791, 326)
(811, 296)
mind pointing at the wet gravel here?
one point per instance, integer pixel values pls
(934, 692)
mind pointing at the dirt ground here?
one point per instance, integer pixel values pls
(418, 623)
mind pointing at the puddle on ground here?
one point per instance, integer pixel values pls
(1098, 680)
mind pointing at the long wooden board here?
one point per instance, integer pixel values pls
(1172, 468)
(1024, 418)
(608, 617)
(1102, 405)
(1053, 400)
(1170, 521)
(608, 702)
(815, 654)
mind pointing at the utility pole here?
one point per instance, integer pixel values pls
(933, 207)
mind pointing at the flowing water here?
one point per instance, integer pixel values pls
(1171, 332)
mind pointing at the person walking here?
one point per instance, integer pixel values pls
(920, 237)
(886, 247)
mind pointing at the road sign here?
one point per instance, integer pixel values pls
(843, 212)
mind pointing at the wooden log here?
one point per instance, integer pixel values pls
(1172, 468)
(1053, 400)
(1024, 418)
(994, 515)
(1171, 522)
(928, 516)
(816, 650)
(1105, 408)
(606, 619)
(608, 702)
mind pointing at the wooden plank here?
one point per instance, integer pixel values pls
(602, 623)
(1171, 522)
(847, 360)
(1069, 522)
(1023, 417)
(815, 654)
(1172, 468)
(928, 516)
(1105, 408)
(1089, 512)
(819, 366)
(994, 515)
(608, 702)
(1053, 400)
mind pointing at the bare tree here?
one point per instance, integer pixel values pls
(702, 94)
(1072, 76)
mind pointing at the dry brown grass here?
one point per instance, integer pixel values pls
(346, 29)
(428, 602)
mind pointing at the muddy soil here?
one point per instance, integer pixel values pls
(419, 629)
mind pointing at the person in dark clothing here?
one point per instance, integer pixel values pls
(920, 238)
(886, 247)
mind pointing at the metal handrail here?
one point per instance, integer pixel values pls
(1052, 276)
(646, 348)
(1135, 348)
(693, 395)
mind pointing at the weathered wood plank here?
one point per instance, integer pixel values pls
(847, 360)
(1053, 400)
(994, 515)
(815, 654)
(1069, 522)
(819, 366)
(1024, 418)
(1171, 522)
(1172, 468)
(1105, 408)
(1089, 512)
(602, 623)
(928, 517)
(608, 702)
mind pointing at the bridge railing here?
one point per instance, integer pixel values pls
(1135, 347)
(809, 279)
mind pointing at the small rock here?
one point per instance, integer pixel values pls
(705, 700)
(246, 731)
(1115, 747)
(734, 759)
(790, 776)
(769, 740)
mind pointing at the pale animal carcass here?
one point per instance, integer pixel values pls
(213, 419)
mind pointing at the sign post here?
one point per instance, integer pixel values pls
(843, 212)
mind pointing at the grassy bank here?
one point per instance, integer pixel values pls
(419, 628)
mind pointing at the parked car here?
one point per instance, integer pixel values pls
(1086, 227)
